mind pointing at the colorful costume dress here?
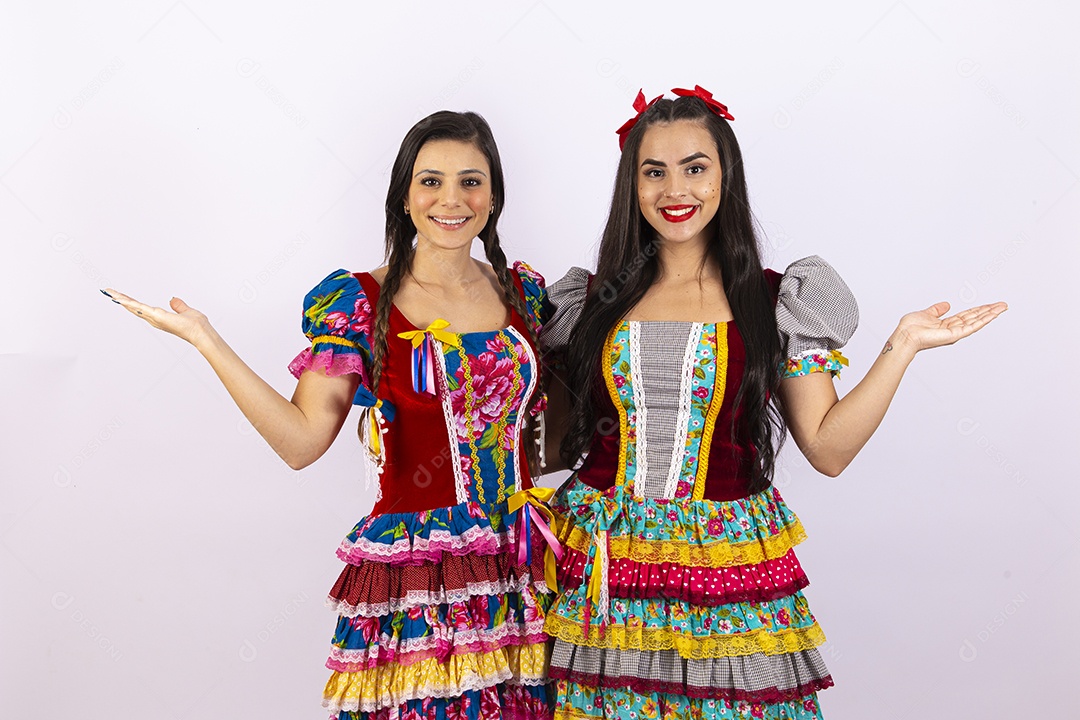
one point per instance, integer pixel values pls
(441, 608)
(680, 593)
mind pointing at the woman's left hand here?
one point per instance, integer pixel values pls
(929, 328)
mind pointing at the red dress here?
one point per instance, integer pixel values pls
(441, 607)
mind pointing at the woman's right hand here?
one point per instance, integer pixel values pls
(183, 321)
(299, 430)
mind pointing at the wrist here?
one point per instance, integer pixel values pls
(900, 345)
(205, 338)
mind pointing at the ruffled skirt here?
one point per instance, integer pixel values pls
(682, 609)
(438, 620)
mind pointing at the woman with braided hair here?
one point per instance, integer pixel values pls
(679, 591)
(443, 597)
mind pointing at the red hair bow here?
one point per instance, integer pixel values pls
(641, 106)
(717, 107)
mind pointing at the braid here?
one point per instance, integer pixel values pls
(497, 259)
(395, 273)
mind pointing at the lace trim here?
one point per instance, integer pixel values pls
(682, 421)
(719, 554)
(444, 642)
(717, 401)
(695, 648)
(370, 690)
(519, 425)
(451, 426)
(641, 410)
(475, 539)
(770, 695)
(418, 598)
(333, 364)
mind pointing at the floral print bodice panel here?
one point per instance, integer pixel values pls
(488, 377)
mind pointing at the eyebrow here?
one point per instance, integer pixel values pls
(468, 171)
(690, 158)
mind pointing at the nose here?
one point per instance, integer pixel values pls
(675, 186)
(451, 195)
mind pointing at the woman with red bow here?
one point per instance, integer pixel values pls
(680, 593)
(443, 597)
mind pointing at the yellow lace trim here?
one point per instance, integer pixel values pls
(609, 380)
(716, 554)
(719, 385)
(394, 683)
(692, 648)
(333, 340)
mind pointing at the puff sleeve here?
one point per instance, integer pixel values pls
(816, 315)
(337, 320)
(566, 299)
(535, 293)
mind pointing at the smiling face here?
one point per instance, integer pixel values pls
(449, 197)
(678, 181)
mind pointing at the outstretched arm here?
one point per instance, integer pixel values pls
(829, 431)
(299, 430)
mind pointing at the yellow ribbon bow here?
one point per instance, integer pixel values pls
(534, 499)
(374, 434)
(437, 329)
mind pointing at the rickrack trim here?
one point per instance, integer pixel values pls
(334, 340)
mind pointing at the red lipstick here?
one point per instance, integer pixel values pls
(666, 212)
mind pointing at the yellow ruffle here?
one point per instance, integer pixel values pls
(693, 648)
(712, 555)
(392, 684)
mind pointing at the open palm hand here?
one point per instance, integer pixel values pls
(181, 320)
(930, 328)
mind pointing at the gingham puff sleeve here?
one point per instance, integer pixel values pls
(566, 299)
(337, 320)
(816, 315)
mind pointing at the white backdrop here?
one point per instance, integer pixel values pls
(158, 559)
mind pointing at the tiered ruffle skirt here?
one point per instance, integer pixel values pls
(438, 620)
(696, 610)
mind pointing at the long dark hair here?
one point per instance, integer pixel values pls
(627, 266)
(400, 232)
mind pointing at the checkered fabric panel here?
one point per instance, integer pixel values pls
(567, 297)
(750, 673)
(815, 309)
(663, 345)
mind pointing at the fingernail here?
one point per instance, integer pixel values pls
(105, 293)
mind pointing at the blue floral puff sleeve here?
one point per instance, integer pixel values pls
(536, 298)
(816, 315)
(338, 321)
